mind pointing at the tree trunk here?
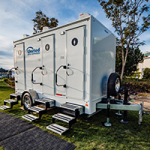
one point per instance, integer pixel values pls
(124, 59)
(122, 70)
(123, 62)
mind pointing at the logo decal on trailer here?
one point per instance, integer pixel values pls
(32, 51)
(74, 41)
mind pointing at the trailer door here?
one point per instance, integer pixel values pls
(75, 62)
(48, 63)
(20, 84)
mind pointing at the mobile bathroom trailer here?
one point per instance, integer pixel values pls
(87, 49)
(67, 67)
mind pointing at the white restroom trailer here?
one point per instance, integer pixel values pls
(87, 49)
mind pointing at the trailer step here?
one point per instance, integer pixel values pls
(71, 106)
(36, 109)
(15, 95)
(4, 107)
(46, 101)
(30, 117)
(72, 109)
(63, 117)
(9, 101)
(57, 128)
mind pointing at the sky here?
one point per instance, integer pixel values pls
(16, 19)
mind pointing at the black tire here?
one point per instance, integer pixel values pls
(27, 101)
(113, 89)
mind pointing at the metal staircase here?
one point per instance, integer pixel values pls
(11, 101)
(48, 103)
(68, 114)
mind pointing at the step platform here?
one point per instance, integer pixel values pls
(10, 101)
(48, 102)
(15, 95)
(36, 109)
(72, 109)
(57, 128)
(4, 107)
(30, 117)
(63, 117)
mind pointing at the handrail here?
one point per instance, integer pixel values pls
(64, 67)
(32, 75)
(16, 68)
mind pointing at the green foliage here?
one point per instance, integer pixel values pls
(134, 57)
(41, 20)
(140, 85)
(6, 80)
(136, 74)
(146, 73)
(10, 81)
(130, 18)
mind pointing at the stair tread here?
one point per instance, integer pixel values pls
(10, 101)
(30, 117)
(16, 94)
(70, 106)
(4, 107)
(63, 117)
(36, 109)
(44, 100)
(57, 128)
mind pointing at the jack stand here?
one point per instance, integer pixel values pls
(108, 124)
(118, 113)
(124, 120)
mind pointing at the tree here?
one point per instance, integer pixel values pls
(134, 57)
(130, 20)
(41, 20)
(146, 73)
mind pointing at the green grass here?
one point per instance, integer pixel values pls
(90, 134)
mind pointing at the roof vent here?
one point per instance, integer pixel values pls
(25, 35)
(45, 29)
(83, 15)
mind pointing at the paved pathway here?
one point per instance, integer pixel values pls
(140, 99)
(17, 134)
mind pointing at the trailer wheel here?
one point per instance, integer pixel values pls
(114, 84)
(27, 101)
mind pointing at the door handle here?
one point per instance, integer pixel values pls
(64, 67)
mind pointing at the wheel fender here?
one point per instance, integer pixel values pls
(29, 94)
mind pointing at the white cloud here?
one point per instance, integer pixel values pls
(145, 36)
(95, 14)
(145, 47)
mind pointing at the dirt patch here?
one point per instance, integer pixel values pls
(140, 99)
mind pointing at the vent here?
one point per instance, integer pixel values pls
(25, 35)
(83, 15)
(45, 29)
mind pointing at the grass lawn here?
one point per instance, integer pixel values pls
(89, 133)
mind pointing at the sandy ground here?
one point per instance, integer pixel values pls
(140, 99)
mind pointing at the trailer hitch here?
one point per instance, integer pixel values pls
(64, 67)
